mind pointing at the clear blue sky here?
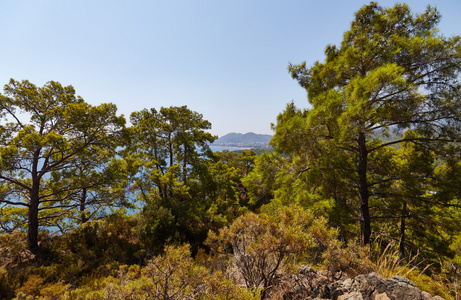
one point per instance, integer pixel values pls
(224, 59)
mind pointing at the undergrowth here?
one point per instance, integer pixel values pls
(420, 271)
(105, 260)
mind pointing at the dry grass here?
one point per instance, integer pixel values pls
(389, 264)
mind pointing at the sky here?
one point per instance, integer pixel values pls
(225, 59)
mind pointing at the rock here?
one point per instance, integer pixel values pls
(351, 296)
(427, 296)
(382, 296)
(311, 284)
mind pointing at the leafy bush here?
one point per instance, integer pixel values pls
(351, 260)
(262, 245)
(173, 275)
(36, 288)
(94, 247)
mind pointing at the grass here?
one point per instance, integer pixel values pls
(389, 263)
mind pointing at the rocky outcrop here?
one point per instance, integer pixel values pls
(311, 284)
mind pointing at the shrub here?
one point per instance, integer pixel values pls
(261, 245)
(175, 274)
(351, 260)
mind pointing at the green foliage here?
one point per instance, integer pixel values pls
(392, 75)
(228, 172)
(49, 160)
(260, 183)
(95, 247)
(187, 190)
(277, 180)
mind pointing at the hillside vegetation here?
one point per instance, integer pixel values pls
(360, 187)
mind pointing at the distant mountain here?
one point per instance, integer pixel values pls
(249, 139)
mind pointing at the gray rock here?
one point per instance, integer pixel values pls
(311, 284)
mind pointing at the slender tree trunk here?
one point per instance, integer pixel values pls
(160, 190)
(32, 229)
(83, 217)
(402, 231)
(363, 190)
(184, 164)
(170, 150)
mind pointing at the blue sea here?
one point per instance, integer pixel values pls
(217, 149)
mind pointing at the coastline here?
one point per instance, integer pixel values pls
(215, 148)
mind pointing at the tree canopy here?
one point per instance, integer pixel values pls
(187, 189)
(393, 73)
(47, 131)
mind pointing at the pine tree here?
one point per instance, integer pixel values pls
(393, 72)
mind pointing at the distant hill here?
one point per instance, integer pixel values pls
(249, 139)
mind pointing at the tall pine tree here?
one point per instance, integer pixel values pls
(393, 72)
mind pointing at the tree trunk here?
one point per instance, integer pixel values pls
(402, 231)
(32, 230)
(184, 164)
(363, 190)
(170, 150)
(32, 224)
(83, 217)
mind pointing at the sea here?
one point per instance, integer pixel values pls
(218, 148)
